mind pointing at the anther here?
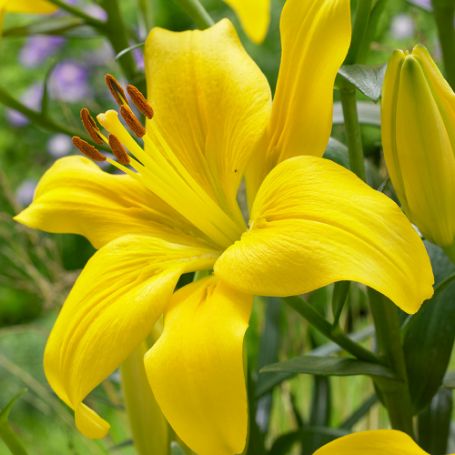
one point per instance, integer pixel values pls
(118, 150)
(116, 89)
(132, 121)
(87, 149)
(91, 127)
(139, 100)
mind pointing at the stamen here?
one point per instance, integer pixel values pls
(87, 149)
(118, 150)
(132, 121)
(139, 100)
(116, 89)
(91, 127)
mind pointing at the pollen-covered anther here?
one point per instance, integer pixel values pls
(118, 150)
(116, 89)
(91, 127)
(88, 150)
(132, 121)
(139, 100)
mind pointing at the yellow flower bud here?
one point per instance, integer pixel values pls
(418, 134)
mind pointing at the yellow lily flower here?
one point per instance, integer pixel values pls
(254, 16)
(418, 130)
(376, 442)
(175, 210)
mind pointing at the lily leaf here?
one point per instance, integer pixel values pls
(368, 79)
(329, 366)
(429, 334)
(47, 26)
(338, 152)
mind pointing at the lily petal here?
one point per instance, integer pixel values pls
(196, 367)
(28, 6)
(76, 196)
(112, 307)
(211, 130)
(377, 442)
(254, 16)
(315, 37)
(314, 223)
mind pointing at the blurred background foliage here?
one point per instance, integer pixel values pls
(62, 72)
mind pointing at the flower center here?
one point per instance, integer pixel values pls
(154, 163)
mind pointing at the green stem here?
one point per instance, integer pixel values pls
(352, 127)
(335, 334)
(197, 12)
(148, 425)
(444, 13)
(359, 31)
(388, 334)
(147, 13)
(90, 20)
(38, 118)
(116, 32)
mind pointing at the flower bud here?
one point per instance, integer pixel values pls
(418, 134)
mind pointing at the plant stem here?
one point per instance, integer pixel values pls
(11, 440)
(148, 425)
(197, 12)
(444, 12)
(90, 20)
(335, 334)
(147, 13)
(38, 118)
(359, 31)
(352, 127)
(388, 334)
(116, 32)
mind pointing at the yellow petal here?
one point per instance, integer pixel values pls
(211, 104)
(112, 307)
(315, 38)
(254, 16)
(196, 367)
(378, 442)
(314, 223)
(76, 196)
(29, 6)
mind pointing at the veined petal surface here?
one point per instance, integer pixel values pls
(377, 442)
(75, 196)
(315, 38)
(28, 6)
(196, 367)
(211, 104)
(112, 307)
(314, 223)
(254, 16)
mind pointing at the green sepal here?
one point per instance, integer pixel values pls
(329, 366)
(429, 334)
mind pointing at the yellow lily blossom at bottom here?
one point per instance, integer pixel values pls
(377, 442)
(174, 210)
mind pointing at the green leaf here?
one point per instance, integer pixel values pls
(429, 334)
(434, 423)
(338, 152)
(6, 433)
(368, 79)
(449, 380)
(339, 299)
(329, 366)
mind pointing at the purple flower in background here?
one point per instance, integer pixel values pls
(403, 26)
(139, 58)
(25, 192)
(32, 99)
(59, 145)
(38, 48)
(69, 81)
